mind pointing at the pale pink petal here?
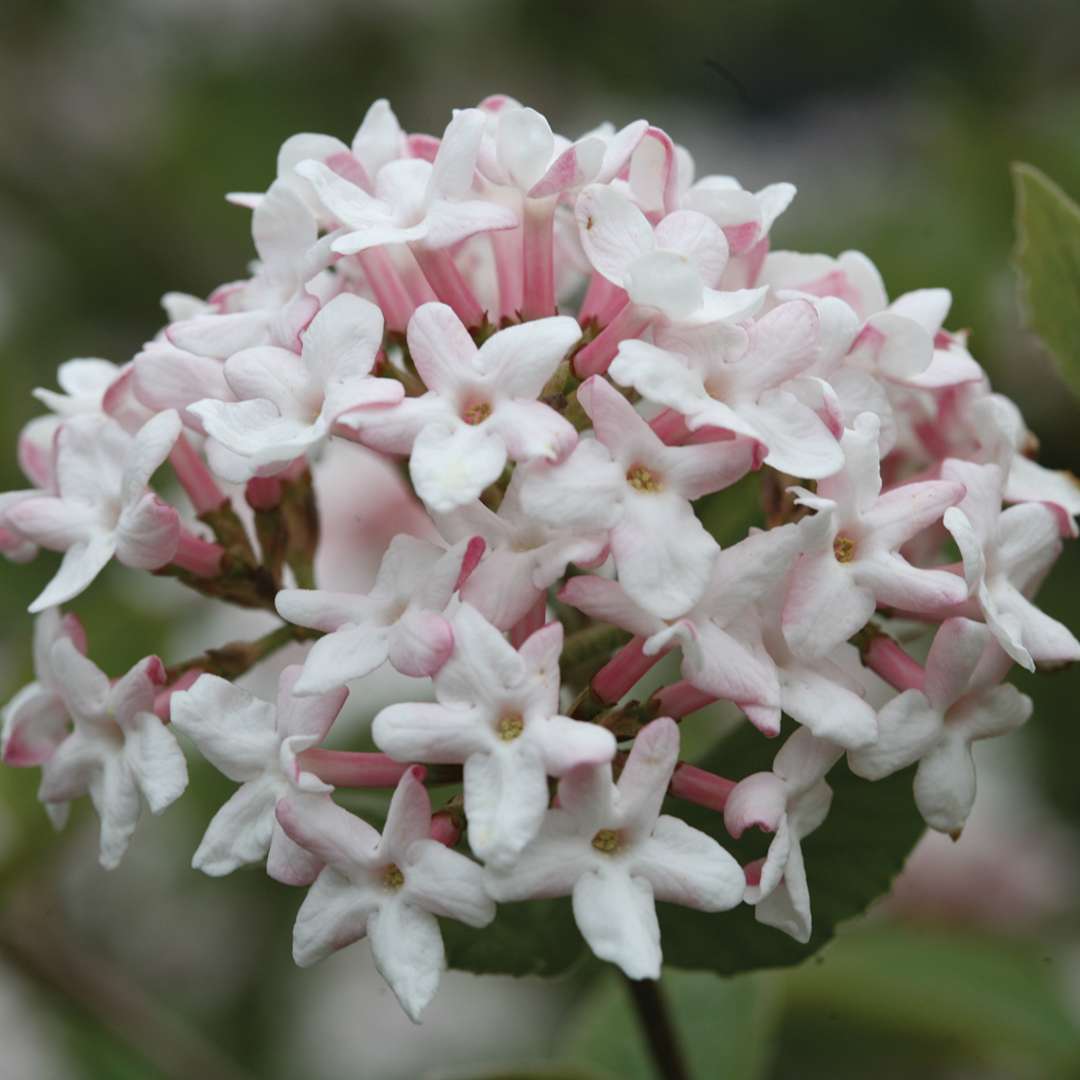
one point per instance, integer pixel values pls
(685, 866)
(342, 340)
(524, 146)
(663, 554)
(347, 653)
(455, 163)
(231, 728)
(328, 831)
(307, 715)
(568, 744)
(506, 795)
(521, 359)
(448, 223)
(82, 562)
(756, 802)
(608, 601)
(532, 431)
(613, 231)
(446, 883)
(953, 657)
(420, 643)
(115, 796)
(798, 441)
(549, 866)
(440, 346)
(616, 915)
(899, 514)
(945, 785)
(667, 281)
(220, 336)
(483, 667)
(825, 605)
(147, 533)
(287, 861)
(421, 731)
(584, 491)
(408, 951)
(408, 818)
(830, 710)
(156, 761)
(239, 833)
(452, 464)
(54, 523)
(908, 726)
(644, 780)
(334, 914)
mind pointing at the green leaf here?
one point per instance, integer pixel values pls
(538, 937)
(723, 1026)
(988, 996)
(1048, 258)
(850, 861)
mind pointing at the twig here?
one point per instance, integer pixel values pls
(655, 1022)
(232, 660)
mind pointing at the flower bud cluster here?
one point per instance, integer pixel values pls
(572, 347)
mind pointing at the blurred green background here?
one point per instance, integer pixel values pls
(122, 124)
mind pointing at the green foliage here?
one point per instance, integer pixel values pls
(1048, 258)
(981, 996)
(723, 1025)
(534, 938)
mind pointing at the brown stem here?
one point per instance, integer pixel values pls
(232, 660)
(655, 1022)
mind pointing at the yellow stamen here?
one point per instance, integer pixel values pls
(477, 413)
(607, 841)
(510, 726)
(393, 878)
(844, 549)
(641, 479)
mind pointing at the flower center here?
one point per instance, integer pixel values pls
(476, 413)
(510, 726)
(607, 841)
(642, 479)
(393, 878)
(843, 548)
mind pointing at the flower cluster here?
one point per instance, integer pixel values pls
(573, 347)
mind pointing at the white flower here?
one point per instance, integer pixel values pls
(102, 506)
(629, 482)
(414, 201)
(286, 404)
(523, 556)
(400, 618)
(389, 889)
(737, 379)
(790, 803)
(497, 712)
(257, 745)
(851, 560)
(480, 407)
(118, 748)
(1006, 556)
(608, 845)
(672, 269)
(36, 719)
(961, 701)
